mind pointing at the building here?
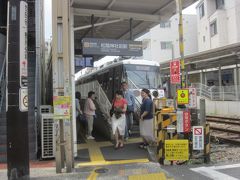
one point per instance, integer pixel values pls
(218, 23)
(162, 41)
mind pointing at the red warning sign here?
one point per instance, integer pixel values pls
(198, 131)
(175, 72)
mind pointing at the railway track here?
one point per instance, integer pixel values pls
(225, 129)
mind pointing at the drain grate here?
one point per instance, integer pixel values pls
(101, 170)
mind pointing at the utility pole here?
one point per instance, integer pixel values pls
(17, 90)
(62, 85)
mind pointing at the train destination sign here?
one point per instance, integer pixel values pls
(111, 47)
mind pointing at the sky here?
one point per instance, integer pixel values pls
(48, 17)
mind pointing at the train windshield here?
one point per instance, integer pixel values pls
(142, 76)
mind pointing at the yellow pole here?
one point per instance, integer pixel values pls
(181, 43)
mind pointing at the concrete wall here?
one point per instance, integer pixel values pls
(170, 34)
(222, 108)
(228, 26)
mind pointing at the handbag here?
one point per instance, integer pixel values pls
(111, 112)
(82, 118)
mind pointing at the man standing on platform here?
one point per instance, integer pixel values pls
(128, 95)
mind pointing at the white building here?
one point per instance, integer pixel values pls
(218, 23)
(162, 41)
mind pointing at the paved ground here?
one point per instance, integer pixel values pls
(122, 171)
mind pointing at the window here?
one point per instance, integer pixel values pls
(165, 24)
(166, 45)
(219, 4)
(204, 39)
(201, 10)
(213, 28)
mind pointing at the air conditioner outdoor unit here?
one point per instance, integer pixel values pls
(47, 136)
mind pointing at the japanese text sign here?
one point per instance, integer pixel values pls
(176, 150)
(182, 96)
(175, 72)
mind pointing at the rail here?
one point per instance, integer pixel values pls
(218, 93)
(2, 83)
(102, 99)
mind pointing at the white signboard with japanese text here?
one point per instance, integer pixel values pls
(192, 98)
(198, 138)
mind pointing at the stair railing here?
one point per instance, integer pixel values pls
(2, 83)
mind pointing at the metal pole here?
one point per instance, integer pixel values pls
(72, 70)
(181, 43)
(17, 90)
(130, 23)
(202, 113)
(220, 81)
(236, 80)
(92, 23)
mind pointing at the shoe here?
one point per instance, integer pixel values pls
(129, 132)
(143, 145)
(116, 146)
(121, 145)
(90, 137)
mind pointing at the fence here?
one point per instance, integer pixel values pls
(218, 93)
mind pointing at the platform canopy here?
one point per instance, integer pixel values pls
(222, 56)
(111, 18)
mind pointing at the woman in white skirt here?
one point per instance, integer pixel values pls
(146, 119)
(119, 118)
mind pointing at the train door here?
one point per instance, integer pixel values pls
(117, 77)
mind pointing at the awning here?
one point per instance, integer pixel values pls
(111, 18)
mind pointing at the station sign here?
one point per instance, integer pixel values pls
(182, 96)
(111, 47)
(62, 106)
(183, 121)
(175, 77)
(192, 98)
(198, 138)
(23, 40)
(176, 150)
(23, 99)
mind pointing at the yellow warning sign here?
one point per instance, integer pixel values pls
(182, 96)
(62, 106)
(176, 150)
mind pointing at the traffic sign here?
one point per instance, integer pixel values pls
(198, 138)
(182, 96)
(175, 72)
(23, 99)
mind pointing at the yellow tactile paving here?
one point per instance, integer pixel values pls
(154, 176)
(96, 155)
(104, 163)
(93, 175)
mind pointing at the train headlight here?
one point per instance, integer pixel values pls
(155, 94)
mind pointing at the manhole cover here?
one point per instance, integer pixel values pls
(101, 170)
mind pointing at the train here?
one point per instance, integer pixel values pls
(138, 73)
